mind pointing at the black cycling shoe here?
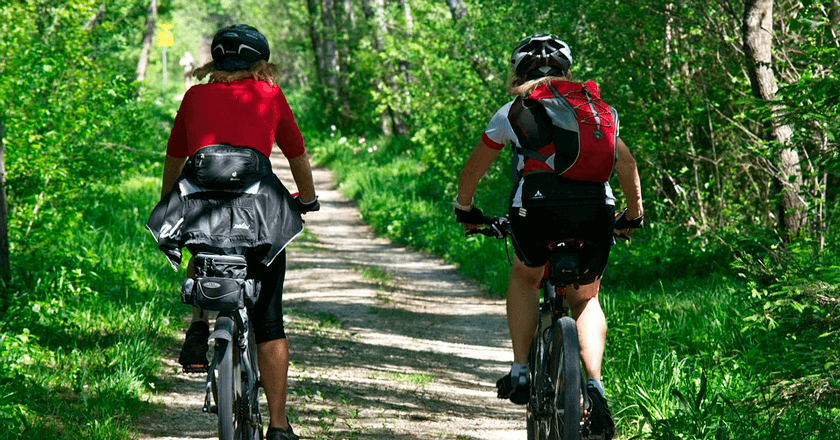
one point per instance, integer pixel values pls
(518, 394)
(193, 355)
(601, 425)
(281, 434)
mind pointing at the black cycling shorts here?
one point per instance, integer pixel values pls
(593, 224)
(267, 315)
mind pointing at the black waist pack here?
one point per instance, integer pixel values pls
(224, 166)
(220, 284)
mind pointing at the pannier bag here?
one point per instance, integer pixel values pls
(220, 283)
(226, 167)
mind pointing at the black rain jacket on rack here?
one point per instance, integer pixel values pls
(257, 220)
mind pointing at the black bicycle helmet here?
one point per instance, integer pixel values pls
(541, 55)
(237, 47)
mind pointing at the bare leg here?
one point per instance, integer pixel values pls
(522, 304)
(274, 370)
(591, 326)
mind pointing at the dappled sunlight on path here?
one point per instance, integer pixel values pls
(386, 343)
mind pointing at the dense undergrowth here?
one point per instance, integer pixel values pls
(84, 324)
(710, 338)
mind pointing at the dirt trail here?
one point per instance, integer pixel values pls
(386, 342)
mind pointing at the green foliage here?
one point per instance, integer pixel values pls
(81, 321)
(82, 333)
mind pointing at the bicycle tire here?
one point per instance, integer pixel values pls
(252, 426)
(536, 425)
(228, 381)
(566, 377)
(224, 390)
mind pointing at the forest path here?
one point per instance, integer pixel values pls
(386, 343)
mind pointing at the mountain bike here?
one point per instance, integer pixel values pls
(557, 402)
(233, 384)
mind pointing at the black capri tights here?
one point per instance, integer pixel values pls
(267, 314)
(532, 233)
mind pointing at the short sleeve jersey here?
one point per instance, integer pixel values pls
(246, 113)
(538, 184)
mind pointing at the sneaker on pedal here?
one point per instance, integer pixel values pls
(281, 434)
(517, 389)
(193, 355)
(601, 425)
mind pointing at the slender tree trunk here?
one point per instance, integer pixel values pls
(315, 37)
(401, 116)
(4, 222)
(345, 28)
(148, 40)
(375, 12)
(458, 9)
(758, 39)
(833, 7)
(95, 18)
(332, 68)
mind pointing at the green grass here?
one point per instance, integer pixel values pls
(699, 345)
(82, 333)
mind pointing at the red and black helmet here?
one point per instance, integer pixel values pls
(541, 55)
(237, 47)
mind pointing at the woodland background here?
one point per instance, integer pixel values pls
(728, 301)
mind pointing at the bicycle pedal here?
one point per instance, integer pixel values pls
(195, 368)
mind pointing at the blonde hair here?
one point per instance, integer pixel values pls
(523, 86)
(260, 71)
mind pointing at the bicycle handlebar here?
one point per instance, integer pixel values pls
(499, 227)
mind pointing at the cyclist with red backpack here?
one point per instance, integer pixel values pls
(236, 118)
(565, 148)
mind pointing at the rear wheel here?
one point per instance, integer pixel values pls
(229, 389)
(564, 423)
(224, 390)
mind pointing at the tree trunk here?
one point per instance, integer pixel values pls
(375, 12)
(148, 40)
(95, 18)
(758, 40)
(315, 37)
(833, 13)
(330, 51)
(458, 9)
(4, 223)
(346, 29)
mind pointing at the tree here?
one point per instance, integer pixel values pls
(148, 40)
(758, 42)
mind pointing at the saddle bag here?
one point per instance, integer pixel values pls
(220, 284)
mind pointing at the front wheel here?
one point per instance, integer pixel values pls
(567, 380)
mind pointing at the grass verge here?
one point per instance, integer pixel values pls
(83, 326)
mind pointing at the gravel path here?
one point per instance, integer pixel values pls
(386, 342)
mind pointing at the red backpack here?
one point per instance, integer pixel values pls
(567, 128)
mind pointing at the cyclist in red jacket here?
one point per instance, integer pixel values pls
(543, 205)
(242, 105)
